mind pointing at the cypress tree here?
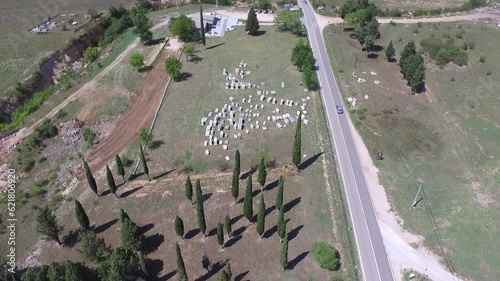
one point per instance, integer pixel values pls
(262, 173)
(281, 224)
(237, 167)
(390, 52)
(81, 216)
(188, 190)
(223, 276)
(142, 264)
(181, 268)
(47, 225)
(235, 187)
(131, 237)
(284, 253)
(252, 24)
(228, 270)
(248, 201)
(296, 152)
(90, 178)
(279, 193)
(111, 181)
(179, 226)
(144, 164)
(220, 235)
(200, 212)
(261, 216)
(119, 167)
(228, 226)
(202, 31)
(123, 216)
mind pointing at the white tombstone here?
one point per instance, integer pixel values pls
(262, 106)
(264, 128)
(205, 143)
(306, 121)
(277, 110)
(207, 152)
(262, 98)
(251, 126)
(273, 92)
(224, 147)
(279, 125)
(226, 141)
(249, 100)
(257, 127)
(247, 131)
(235, 136)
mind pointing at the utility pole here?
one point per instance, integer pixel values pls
(416, 196)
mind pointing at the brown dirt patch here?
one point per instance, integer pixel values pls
(139, 114)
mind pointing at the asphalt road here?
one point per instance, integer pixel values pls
(373, 257)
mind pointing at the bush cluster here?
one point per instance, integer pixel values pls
(303, 58)
(326, 255)
(444, 52)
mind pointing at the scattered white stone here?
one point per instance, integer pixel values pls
(366, 97)
(305, 155)
(373, 73)
(377, 82)
(227, 158)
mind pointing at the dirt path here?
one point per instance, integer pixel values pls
(139, 114)
(493, 14)
(24, 132)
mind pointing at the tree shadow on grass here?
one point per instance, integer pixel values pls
(236, 219)
(130, 192)
(152, 243)
(372, 55)
(271, 185)
(240, 276)
(215, 46)
(154, 267)
(310, 161)
(163, 174)
(206, 196)
(145, 68)
(239, 231)
(216, 267)
(247, 174)
(183, 77)
(156, 41)
(255, 193)
(103, 227)
(145, 228)
(392, 60)
(156, 144)
(292, 234)
(288, 206)
(192, 233)
(293, 263)
(195, 59)
(270, 210)
(212, 232)
(259, 33)
(268, 233)
(232, 241)
(70, 240)
(168, 276)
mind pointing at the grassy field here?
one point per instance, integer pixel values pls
(180, 135)
(20, 50)
(447, 138)
(313, 196)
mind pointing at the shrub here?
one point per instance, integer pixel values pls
(61, 114)
(420, 13)
(387, 111)
(37, 191)
(452, 79)
(488, 73)
(419, 24)
(415, 31)
(471, 44)
(88, 137)
(465, 46)
(90, 54)
(326, 256)
(482, 59)
(459, 35)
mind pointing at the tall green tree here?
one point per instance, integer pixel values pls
(262, 176)
(81, 216)
(142, 27)
(181, 268)
(146, 137)
(188, 190)
(281, 224)
(179, 226)
(235, 184)
(131, 237)
(90, 178)
(200, 212)
(185, 28)
(111, 181)
(252, 25)
(143, 265)
(412, 66)
(173, 67)
(228, 225)
(261, 216)
(47, 225)
(297, 144)
(220, 235)
(92, 248)
(237, 163)
(119, 167)
(248, 201)
(390, 52)
(284, 253)
(189, 49)
(202, 30)
(279, 193)
(144, 164)
(123, 216)
(286, 20)
(227, 269)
